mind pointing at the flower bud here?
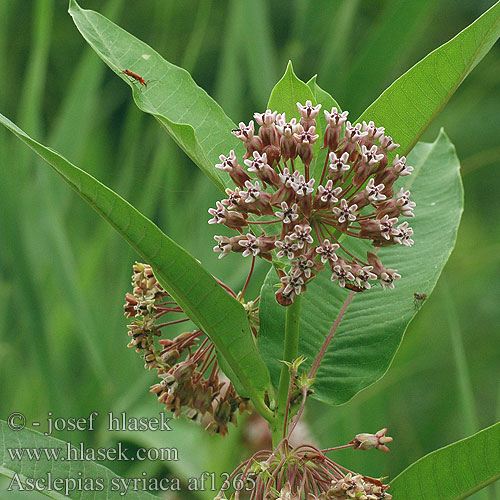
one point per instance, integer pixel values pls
(377, 441)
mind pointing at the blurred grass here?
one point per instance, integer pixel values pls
(63, 272)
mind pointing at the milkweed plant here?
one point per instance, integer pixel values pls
(354, 220)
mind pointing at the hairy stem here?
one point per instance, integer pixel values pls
(290, 353)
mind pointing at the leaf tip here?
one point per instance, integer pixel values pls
(312, 80)
(72, 6)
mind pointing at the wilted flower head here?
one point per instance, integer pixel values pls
(291, 217)
(190, 379)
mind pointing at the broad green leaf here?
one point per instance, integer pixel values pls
(454, 472)
(288, 92)
(409, 105)
(322, 97)
(372, 328)
(211, 308)
(284, 98)
(70, 472)
(193, 119)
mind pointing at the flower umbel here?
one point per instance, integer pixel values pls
(304, 225)
(305, 472)
(191, 382)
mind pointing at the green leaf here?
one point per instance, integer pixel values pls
(10, 441)
(454, 472)
(409, 105)
(288, 92)
(210, 307)
(371, 330)
(284, 98)
(322, 97)
(193, 119)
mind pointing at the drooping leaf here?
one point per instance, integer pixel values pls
(409, 105)
(371, 330)
(211, 308)
(193, 119)
(454, 472)
(18, 470)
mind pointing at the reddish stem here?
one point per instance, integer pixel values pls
(263, 222)
(223, 285)
(249, 276)
(299, 413)
(166, 304)
(344, 249)
(343, 447)
(285, 425)
(173, 322)
(324, 168)
(319, 235)
(207, 366)
(328, 339)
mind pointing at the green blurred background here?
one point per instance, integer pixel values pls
(64, 272)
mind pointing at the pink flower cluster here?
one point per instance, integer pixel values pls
(306, 225)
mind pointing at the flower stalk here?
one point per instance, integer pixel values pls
(290, 353)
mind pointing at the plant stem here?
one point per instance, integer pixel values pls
(299, 413)
(249, 276)
(290, 353)
(328, 339)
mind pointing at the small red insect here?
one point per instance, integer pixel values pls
(135, 76)
(418, 299)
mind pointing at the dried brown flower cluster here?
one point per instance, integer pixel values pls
(187, 365)
(308, 220)
(306, 473)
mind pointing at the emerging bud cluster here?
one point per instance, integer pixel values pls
(305, 473)
(187, 365)
(308, 220)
